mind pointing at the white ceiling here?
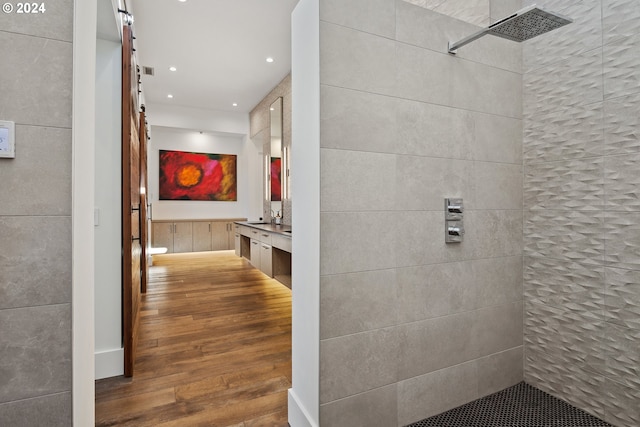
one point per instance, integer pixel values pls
(219, 48)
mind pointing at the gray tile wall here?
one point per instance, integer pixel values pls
(582, 215)
(260, 133)
(410, 326)
(35, 218)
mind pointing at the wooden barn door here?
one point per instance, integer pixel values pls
(131, 216)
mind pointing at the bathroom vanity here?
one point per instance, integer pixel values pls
(267, 247)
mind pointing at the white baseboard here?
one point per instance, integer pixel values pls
(109, 363)
(298, 416)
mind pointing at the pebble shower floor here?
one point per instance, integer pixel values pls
(519, 406)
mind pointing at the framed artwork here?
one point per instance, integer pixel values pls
(197, 176)
(276, 187)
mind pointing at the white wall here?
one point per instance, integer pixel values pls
(108, 338)
(83, 133)
(304, 397)
(249, 169)
(198, 119)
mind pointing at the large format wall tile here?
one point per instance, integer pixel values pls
(494, 233)
(429, 291)
(58, 24)
(564, 133)
(353, 180)
(357, 363)
(621, 18)
(445, 178)
(51, 411)
(39, 90)
(456, 82)
(419, 354)
(420, 240)
(499, 371)
(38, 180)
(358, 302)
(566, 235)
(35, 351)
(621, 402)
(622, 297)
(574, 81)
(371, 16)
(622, 125)
(621, 348)
(361, 121)
(622, 182)
(498, 139)
(622, 240)
(435, 392)
(497, 328)
(621, 62)
(498, 186)
(35, 267)
(356, 60)
(421, 27)
(583, 34)
(548, 280)
(356, 241)
(434, 130)
(375, 407)
(472, 11)
(576, 185)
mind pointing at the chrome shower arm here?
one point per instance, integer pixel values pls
(475, 36)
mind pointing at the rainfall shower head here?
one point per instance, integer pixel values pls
(522, 25)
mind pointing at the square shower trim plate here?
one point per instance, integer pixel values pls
(7, 139)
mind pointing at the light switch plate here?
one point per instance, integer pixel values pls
(7, 139)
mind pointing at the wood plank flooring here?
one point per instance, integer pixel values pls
(214, 348)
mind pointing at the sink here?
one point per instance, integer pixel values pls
(257, 222)
(287, 231)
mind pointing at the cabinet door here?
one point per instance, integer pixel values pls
(237, 244)
(266, 259)
(162, 235)
(201, 236)
(231, 243)
(219, 236)
(255, 253)
(182, 237)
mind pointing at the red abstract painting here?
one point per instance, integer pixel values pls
(276, 188)
(197, 176)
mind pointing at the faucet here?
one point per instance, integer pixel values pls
(273, 216)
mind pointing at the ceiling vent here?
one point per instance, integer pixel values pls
(147, 71)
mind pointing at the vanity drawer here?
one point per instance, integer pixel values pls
(264, 236)
(245, 231)
(281, 242)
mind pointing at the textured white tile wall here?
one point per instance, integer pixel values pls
(582, 215)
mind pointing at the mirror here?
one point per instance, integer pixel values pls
(274, 161)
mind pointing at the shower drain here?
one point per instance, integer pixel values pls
(519, 406)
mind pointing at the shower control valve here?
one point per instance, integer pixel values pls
(453, 225)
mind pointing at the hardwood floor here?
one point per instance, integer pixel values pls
(214, 348)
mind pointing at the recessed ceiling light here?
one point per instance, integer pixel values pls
(272, 109)
(235, 104)
(173, 69)
(169, 96)
(269, 59)
(182, 1)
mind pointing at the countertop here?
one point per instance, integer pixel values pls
(284, 230)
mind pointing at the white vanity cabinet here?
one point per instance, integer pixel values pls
(176, 236)
(267, 247)
(194, 235)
